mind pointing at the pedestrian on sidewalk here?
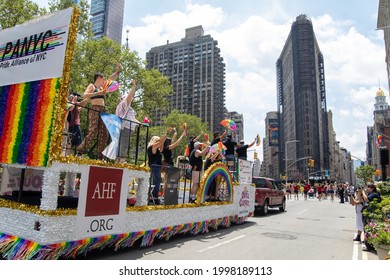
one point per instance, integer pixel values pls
(341, 193)
(331, 192)
(369, 194)
(319, 191)
(306, 189)
(296, 197)
(325, 191)
(358, 203)
(288, 190)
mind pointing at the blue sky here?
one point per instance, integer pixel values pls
(251, 35)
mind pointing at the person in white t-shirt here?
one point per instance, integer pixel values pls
(129, 122)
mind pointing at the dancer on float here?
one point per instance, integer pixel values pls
(97, 94)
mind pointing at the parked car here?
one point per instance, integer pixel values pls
(268, 195)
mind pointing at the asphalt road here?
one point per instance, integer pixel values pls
(308, 230)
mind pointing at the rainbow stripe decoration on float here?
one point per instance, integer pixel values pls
(34, 58)
(26, 112)
(215, 170)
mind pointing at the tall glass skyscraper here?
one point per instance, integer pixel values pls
(107, 19)
(197, 72)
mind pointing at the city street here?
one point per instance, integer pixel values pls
(308, 230)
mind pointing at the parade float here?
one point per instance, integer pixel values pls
(38, 223)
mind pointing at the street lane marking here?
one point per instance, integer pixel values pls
(220, 244)
(302, 212)
(364, 255)
(355, 251)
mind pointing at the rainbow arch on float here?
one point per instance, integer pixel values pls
(217, 169)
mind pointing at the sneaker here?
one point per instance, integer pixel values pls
(357, 238)
(365, 249)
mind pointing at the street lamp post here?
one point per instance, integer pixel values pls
(285, 156)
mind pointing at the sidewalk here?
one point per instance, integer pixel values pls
(359, 254)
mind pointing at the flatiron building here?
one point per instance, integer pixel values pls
(301, 101)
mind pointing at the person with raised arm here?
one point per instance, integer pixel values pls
(125, 111)
(96, 93)
(154, 149)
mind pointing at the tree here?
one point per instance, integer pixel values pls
(85, 26)
(14, 12)
(194, 126)
(91, 57)
(365, 173)
(153, 87)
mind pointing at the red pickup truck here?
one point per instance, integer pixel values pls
(268, 195)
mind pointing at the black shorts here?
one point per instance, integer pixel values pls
(295, 191)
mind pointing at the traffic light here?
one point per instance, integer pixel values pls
(255, 155)
(311, 163)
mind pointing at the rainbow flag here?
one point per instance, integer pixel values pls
(26, 112)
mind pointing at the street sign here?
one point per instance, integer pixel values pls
(317, 178)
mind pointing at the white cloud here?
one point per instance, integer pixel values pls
(204, 15)
(351, 118)
(256, 43)
(327, 29)
(352, 58)
(158, 29)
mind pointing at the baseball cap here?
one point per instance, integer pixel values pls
(197, 144)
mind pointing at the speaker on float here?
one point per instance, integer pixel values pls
(384, 153)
